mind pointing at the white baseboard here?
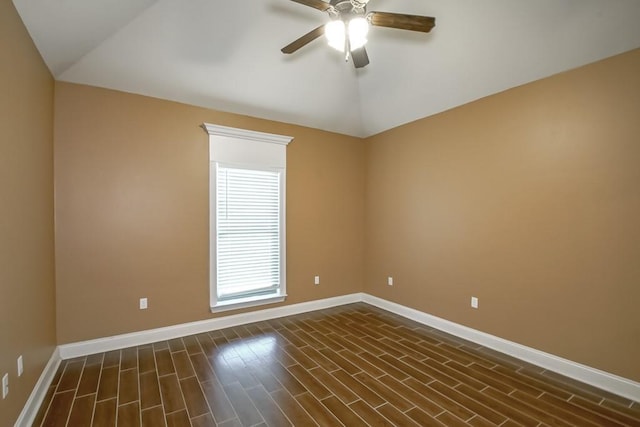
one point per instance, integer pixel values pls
(100, 345)
(604, 380)
(28, 414)
(601, 379)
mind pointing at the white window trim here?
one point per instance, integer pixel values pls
(227, 134)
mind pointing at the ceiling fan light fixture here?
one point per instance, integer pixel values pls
(358, 30)
(349, 26)
(335, 33)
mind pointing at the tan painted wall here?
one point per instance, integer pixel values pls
(526, 199)
(529, 200)
(27, 304)
(132, 211)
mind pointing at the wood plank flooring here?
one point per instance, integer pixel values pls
(353, 365)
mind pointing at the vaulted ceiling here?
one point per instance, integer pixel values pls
(226, 55)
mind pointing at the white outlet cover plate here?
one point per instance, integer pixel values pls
(143, 304)
(20, 366)
(474, 302)
(5, 385)
(390, 281)
(316, 280)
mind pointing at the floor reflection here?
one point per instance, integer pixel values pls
(248, 352)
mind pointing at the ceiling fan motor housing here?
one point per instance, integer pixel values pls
(348, 9)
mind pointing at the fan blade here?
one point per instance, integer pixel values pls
(401, 21)
(304, 40)
(360, 57)
(316, 4)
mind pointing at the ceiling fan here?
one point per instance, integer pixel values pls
(349, 25)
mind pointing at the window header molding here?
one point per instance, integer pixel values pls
(251, 135)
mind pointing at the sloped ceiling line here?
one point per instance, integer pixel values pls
(226, 54)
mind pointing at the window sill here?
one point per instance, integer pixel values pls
(254, 301)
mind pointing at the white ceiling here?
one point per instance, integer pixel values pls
(226, 55)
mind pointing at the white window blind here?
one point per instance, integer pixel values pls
(248, 232)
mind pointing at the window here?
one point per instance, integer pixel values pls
(247, 176)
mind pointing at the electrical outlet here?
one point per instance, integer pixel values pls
(5, 385)
(143, 304)
(474, 302)
(390, 281)
(20, 366)
(316, 280)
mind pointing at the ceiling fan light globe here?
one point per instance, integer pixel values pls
(335, 33)
(358, 30)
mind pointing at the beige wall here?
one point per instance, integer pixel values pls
(27, 305)
(529, 200)
(132, 211)
(526, 199)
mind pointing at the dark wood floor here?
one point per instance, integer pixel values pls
(353, 365)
